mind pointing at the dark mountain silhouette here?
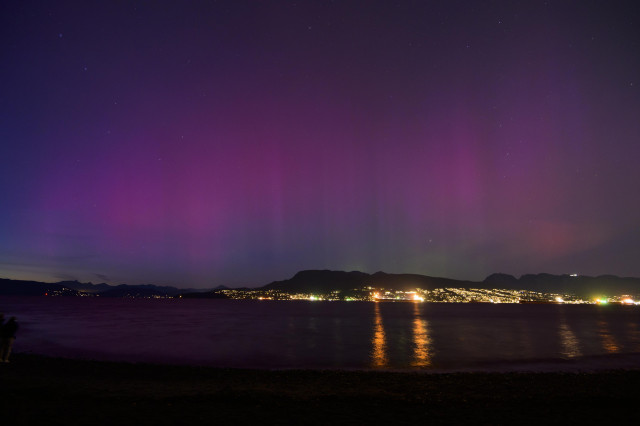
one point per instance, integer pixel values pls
(221, 287)
(413, 281)
(204, 295)
(581, 285)
(125, 290)
(74, 288)
(215, 293)
(322, 281)
(86, 287)
(501, 280)
(34, 288)
(122, 290)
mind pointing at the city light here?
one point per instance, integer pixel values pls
(436, 295)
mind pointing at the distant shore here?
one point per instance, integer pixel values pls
(36, 390)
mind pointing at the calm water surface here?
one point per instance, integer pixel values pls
(351, 335)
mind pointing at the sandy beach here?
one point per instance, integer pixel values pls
(42, 390)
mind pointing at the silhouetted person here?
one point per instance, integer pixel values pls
(8, 335)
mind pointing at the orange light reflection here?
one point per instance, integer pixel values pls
(379, 354)
(421, 340)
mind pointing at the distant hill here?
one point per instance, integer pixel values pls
(34, 288)
(413, 281)
(127, 290)
(74, 288)
(85, 287)
(204, 295)
(215, 293)
(124, 290)
(322, 281)
(581, 285)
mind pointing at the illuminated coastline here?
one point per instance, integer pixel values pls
(365, 293)
(439, 295)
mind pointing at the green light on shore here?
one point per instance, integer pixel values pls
(602, 301)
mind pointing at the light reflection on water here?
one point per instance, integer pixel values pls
(568, 339)
(379, 344)
(608, 340)
(267, 334)
(634, 335)
(421, 340)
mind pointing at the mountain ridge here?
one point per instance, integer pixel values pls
(327, 280)
(324, 280)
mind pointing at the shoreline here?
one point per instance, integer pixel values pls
(578, 364)
(37, 389)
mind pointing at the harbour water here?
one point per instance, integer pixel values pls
(334, 335)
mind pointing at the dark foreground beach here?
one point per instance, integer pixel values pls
(40, 390)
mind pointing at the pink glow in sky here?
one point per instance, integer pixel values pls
(239, 142)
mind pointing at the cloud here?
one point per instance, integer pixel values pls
(102, 277)
(65, 277)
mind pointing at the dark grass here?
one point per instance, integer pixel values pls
(38, 390)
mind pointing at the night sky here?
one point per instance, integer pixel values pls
(204, 143)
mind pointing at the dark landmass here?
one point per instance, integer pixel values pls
(75, 288)
(220, 287)
(581, 285)
(215, 293)
(325, 281)
(41, 390)
(34, 288)
(321, 281)
(86, 287)
(125, 290)
(204, 295)
(128, 290)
